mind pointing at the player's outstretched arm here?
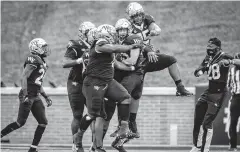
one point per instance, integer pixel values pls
(134, 54)
(116, 48)
(68, 62)
(121, 66)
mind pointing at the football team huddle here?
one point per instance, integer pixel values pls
(108, 66)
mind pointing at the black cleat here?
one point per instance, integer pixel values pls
(122, 139)
(100, 149)
(120, 149)
(32, 150)
(119, 145)
(133, 128)
(182, 91)
(232, 149)
(77, 138)
(92, 149)
(78, 149)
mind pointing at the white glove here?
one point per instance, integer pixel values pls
(79, 60)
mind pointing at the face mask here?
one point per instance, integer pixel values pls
(212, 52)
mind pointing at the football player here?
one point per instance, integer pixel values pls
(145, 26)
(210, 102)
(130, 80)
(74, 59)
(99, 83)
(34, 71)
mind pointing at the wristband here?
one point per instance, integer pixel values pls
(132, 68)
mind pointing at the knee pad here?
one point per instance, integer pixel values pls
(43, 122)
(77, 116)
(21, 122)
(137, 96)
(126, 101)
(43, 125)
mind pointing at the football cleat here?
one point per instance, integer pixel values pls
(114, 134)
(182, 91)
(32, 150)
(232, 149)
(100, 149)
(119, 148)
(195, 149)
(78, 149)
(122, 139)
(92, 149)
(118, 144)
(77, 138)
(133, 128)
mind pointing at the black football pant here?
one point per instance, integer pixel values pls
(35, 105)
(234, 115)
(206, 110)
(77, 102)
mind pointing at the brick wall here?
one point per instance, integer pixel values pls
(159, 109)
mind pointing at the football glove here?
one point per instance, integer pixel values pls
(48, 101)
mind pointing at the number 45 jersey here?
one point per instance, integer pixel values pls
(35, 80)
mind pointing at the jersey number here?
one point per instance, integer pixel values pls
(143, 34)
(39, 79)
(214, 72)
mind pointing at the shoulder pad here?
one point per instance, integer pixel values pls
(34, 60)
(227, 56)
(77, 44)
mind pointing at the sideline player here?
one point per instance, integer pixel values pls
(32, 78)
(210, 102)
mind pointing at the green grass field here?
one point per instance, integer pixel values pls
(186, 28)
